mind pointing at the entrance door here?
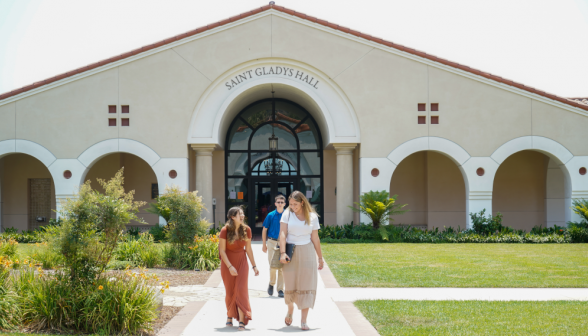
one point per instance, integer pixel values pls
(265, 190)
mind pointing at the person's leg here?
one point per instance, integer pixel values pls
(290, 312)
(304, 315)
(280, 279)
(271, 244)
(241, 319)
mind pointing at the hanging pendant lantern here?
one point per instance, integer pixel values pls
(273, 140)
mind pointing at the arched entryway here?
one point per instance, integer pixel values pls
(27, 193)
(433, 187)
(256, 171)
(138, 176)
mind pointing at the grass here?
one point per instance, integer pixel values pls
(458, 265)
(476, 317)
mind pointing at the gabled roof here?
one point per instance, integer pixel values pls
(568, 101)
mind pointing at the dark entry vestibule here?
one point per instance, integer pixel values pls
(273, 148)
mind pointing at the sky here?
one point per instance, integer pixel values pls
(540, 43)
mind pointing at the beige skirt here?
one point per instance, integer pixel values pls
(300, 277)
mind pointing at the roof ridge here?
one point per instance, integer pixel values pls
(272, 5)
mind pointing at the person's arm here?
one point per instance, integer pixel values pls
(283, 233)
(222, 247)
(251, 258)
(316, 241)
(266, 223)
(263, 239)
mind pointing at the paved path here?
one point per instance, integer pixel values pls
(269, 312)
(484, 294)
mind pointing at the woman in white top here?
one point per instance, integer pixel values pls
(299, 226)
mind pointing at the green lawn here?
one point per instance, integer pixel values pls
(476, 317)
(458, 265)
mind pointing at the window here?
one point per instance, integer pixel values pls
(434, 120)
(111, 108)
(124, 122)
(434, 107)
(422, 107)
(422, 120)
(125, 109)
(111, 122)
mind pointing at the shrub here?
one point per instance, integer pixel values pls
(580, 207)
(93, 224)
(141, 251)
(182, 212)
(488, 225)
(9, 308)
(121, 303)
(578, 234)
(201, 254)
(8, 247)
(158, 233)
(120, 265)
(378, 207)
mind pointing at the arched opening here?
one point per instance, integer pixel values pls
(27, 193)
(256, 172)
(529, 190)
(434, 189)
(138, 176)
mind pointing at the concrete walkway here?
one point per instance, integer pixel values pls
(269, 312)
(334, 312)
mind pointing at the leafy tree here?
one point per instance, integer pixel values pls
(183, 211)
(92, 225)
(379, 207)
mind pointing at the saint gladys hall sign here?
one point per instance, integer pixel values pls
(272, 70)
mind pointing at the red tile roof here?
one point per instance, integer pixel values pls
(567, 101)
(580, 100)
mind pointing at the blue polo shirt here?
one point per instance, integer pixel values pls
(272, 223)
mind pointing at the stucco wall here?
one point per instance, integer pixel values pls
(433, 188)
(138, 176)
(519, 190)
(330, 181)
(16, 171)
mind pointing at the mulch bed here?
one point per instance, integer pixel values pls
(180, 277)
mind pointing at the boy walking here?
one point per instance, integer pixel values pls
(271, 232)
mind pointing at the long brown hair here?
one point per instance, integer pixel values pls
(306, 207)
(232, 233)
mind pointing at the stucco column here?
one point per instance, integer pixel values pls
(344, 182)
(204, 176)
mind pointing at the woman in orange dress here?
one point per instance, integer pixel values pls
(234, 246)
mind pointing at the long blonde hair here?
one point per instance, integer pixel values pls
(232, 233)
(306, 207)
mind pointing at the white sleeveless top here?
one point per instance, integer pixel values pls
(298, 231)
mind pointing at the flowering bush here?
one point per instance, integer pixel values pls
(142, 251)
(8, 247)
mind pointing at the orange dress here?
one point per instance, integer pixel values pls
(237, 291)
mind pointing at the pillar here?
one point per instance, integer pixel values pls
(344, 182)
(204, 176)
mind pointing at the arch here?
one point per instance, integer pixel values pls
(454, 151)
(559, 157)
(545, 145)
(27, 147)
(253, 81)
(102, 148)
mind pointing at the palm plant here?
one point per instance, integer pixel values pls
(379, 207)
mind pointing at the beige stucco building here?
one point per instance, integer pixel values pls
(352, 113)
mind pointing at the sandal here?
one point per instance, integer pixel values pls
(304, 326)
(289, 316)
(229, 322)
(241, 326)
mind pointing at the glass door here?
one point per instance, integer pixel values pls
(265, 190)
